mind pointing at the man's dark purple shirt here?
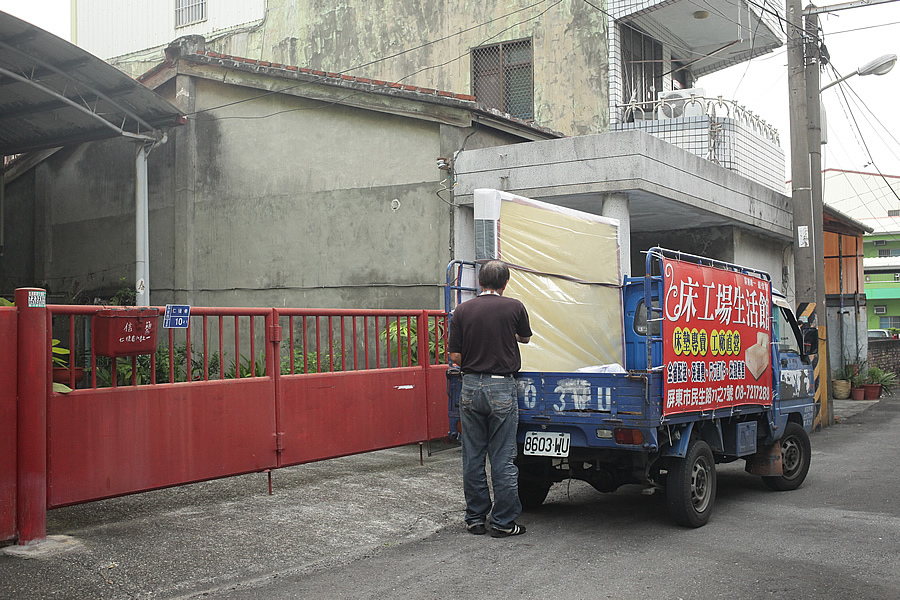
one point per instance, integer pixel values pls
(484, 330)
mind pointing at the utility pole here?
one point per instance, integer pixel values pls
(814, 128)
(801, 185)
(806, 184)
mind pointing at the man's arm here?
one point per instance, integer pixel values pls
(456, 358)
(519, 338)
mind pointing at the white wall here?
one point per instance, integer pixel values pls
(108, 28)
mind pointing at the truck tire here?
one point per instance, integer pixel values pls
(795, 458)
(691, 486)
(532, 493)
(534, 485)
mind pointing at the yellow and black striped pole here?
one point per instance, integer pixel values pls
(806, 313)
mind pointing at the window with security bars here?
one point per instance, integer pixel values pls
(642, 66)
(188, 12)
(894, 213)
(503, 77)
(886, 252)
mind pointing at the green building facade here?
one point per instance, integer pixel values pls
(882, 267)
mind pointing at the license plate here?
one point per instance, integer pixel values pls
(539, 443)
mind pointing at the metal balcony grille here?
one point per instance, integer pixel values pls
(503, 77)
(188, 12)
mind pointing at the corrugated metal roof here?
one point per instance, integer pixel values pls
(53, 93)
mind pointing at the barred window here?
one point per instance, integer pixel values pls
(188, 12)
(503, 77)
(642, 66)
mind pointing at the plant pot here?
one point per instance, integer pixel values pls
(841, 388)
(857, 393)
(61, 374)
(873, 390)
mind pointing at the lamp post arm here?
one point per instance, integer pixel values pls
(837, 81)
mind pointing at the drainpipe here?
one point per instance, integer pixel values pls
(142, 223)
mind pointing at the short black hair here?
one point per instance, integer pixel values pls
(493, 275)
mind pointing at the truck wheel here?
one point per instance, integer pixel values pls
(532, 493)
(533, 485)
(795, 458)
(691, 486)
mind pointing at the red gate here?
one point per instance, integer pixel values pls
(240, 390)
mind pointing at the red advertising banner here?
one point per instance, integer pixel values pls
(716, 336)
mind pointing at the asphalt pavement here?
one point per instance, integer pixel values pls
(209, 538)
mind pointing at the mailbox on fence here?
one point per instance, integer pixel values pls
(125, 332)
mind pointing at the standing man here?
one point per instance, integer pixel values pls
(484, 332)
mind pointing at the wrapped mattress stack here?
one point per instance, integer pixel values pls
(564, 267)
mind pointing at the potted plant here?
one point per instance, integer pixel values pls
(857, 380)
(878, 380)
(841, 383)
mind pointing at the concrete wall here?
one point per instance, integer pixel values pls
(279, 201)
(847, 341)
(426, 43)
(774, 257)
(714, 242)
(729, 244)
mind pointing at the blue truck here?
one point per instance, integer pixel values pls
(716, 369)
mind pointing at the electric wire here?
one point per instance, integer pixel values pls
(361, 92)
(875, 195)
(384, 58)
(861, 139)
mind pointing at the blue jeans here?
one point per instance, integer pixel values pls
(489, 413)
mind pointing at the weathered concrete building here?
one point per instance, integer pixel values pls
(279, 165)
(542, 60)
(286, 186)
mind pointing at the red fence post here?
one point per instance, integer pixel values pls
(273, 370)
(34, 377)
(425, 363)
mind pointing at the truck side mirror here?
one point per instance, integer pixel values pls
(811, 341)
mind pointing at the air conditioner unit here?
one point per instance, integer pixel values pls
(487, 224)
(678, 103)
(881, 310)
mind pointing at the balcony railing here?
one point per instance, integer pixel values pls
(719, 130)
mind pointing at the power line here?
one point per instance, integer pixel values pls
(348, 96)
(386, 58)
(862, 140)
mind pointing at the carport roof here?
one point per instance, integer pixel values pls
(53, 93)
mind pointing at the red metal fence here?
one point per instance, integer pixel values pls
(240, 390)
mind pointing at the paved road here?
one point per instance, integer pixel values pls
(381, 526)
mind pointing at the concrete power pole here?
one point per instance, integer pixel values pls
(814, 127)
(806, 183)
(801, 186)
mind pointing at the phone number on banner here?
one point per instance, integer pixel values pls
(715, 396)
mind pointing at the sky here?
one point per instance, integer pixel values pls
(853, 38)
(762, 86)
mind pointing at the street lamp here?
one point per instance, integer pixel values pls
(879, 66)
